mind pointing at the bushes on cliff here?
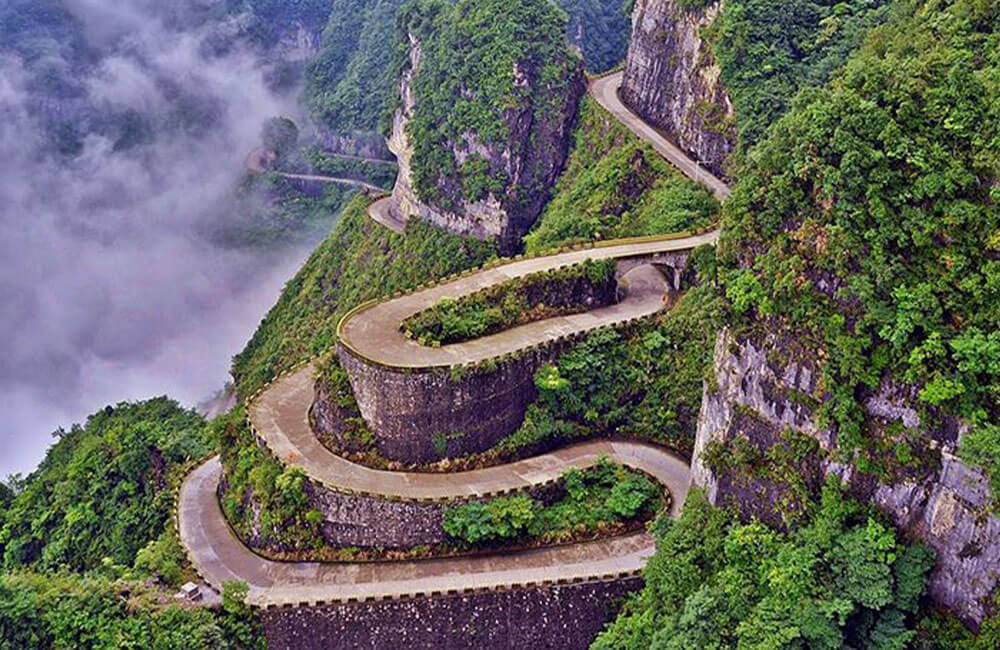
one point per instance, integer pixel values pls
(350, 81)
(263, 500)
(600, 496)
(615, 185)
(501, 519)
(646, 383)
(866, 226)
(843, 579)
(360, 260)
(103, 489)
(601, 29)
(515, 302)
(768, 51)
(487, 67)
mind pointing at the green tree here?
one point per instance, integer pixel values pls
(280, 135)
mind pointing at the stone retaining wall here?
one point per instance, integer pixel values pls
(526, 618)
(425, 414)
(363, 521)
(422, 416)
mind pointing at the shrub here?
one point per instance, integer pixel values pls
(501, 519)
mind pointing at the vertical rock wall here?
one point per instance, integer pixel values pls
(423, 416)
(942, 503)
(672, 80)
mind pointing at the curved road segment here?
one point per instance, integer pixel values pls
(255, 165)
(279, 416)
(374, 333)
(605, 91)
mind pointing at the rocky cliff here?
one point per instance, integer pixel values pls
(760, 449)
(479, 156)
(672, 80)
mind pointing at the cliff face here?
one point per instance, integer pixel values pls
(934, 497)
(517, 171)
(672, 80)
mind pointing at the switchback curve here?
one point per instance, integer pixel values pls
(279, 416)
(372, 332)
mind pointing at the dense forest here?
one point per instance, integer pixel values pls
(866, 222)
(89, 554)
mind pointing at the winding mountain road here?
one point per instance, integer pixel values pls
(382, 212)
(279, 417)
(256, 165)
(605, 91)
(373, 333)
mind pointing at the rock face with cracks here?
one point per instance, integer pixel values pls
(672, 81)
(944, 503)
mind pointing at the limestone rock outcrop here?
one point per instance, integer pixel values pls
(529, 160)
(940, 501)
(672, 80)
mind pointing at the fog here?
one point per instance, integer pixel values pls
(110, 288)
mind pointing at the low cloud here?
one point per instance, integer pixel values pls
(110, 288)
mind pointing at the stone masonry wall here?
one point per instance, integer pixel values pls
(943, 503)
(672, 80)
(421, 417)
(567, 617)
(363, 521)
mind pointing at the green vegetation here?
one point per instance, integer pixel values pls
(601, 29)
(867, 224)
(282, 517)
(280, 135)
(360, 260)
(768, 51)
(484, 64)
(500, 520)
(351, 85)
(268, 19)
(645, 382)
(269, 210)
(101, 611)
(615, 185)
(354, 434)
(382, 174)
(843, 579)
(90, 557)
(104, 489)
(351, 82)
(515, 302)
(596, 498)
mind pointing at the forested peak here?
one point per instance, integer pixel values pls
(103, 489)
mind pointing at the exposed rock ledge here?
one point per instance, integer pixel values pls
(672, 81)
(944, 506)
